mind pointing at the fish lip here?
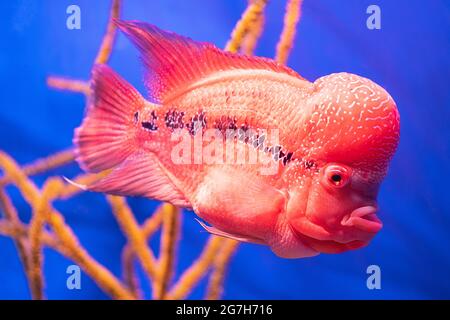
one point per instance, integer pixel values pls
(364, 219)
(329, 246)
(321, 241)
(306, 227)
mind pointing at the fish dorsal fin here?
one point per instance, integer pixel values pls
(175, 62)
(141, 174)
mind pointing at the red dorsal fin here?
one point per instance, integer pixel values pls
(175, 62)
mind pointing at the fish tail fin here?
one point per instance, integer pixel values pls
(107, 135)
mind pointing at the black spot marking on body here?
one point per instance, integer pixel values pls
(246, 134)
(276, 153)
(228, 126)
(151, 123)
(149, 126)
(259, 142)
(309, 164)
(198, 122)
(225, 123)
(174, 119)
(136, 117)
(253, 138)
(287, 158)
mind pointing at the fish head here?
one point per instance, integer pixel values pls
(340, 212)
(354, 133)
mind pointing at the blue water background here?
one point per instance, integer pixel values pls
(409, 57)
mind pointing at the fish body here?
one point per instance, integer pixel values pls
(258, 152)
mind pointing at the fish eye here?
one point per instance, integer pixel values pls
(337, 175)
(336, 178)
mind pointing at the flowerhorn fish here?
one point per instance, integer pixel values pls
(260, 154)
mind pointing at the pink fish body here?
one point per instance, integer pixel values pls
(334, 140)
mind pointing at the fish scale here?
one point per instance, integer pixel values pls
(240, 99)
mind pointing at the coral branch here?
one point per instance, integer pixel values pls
(169, 238)
(132, 230)
(197, 270)
(215, 285)
(66, 84)
(7, 207)
(129, 274)
(40, 215)
(152, 223)
(108, 40)
(21, 243)
(103, 55)
(42, 165)
(102, 276)
(251, 39)
(19, 231)
(12, 171)
(254, 10)
(291, 19)
(148, 228)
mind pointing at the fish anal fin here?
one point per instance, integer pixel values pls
(141, 174)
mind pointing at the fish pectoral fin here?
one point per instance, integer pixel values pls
(224, 234)
(141, 174)
(230, 199)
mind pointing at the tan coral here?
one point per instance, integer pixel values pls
(291, 19)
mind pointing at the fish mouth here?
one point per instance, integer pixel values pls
(364, 219)
(320, 240)
(330, 246)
